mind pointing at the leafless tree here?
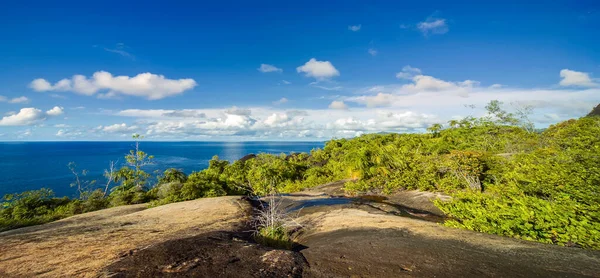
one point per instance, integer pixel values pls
(83, 186)
(109, 174)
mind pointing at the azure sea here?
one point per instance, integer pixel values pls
(34, 165)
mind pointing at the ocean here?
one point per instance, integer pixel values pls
(33, 165)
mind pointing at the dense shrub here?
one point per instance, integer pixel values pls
(36, 207)
(172, 175)
(507, 210)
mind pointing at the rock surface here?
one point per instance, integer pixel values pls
(216, 254)
(81, 245)
(370, 236)
(366, 240)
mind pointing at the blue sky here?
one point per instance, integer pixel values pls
(283, 70)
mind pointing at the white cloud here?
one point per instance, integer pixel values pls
(386, 108)
(433, 26)
(379, 100)
(62, 125)
(58, 96)
(429, 83)
(576, 78)
(117, 128)
(334, 88)
(24, 133)
(26, 116)
(185, 113)
(19, 100)
(238, 111)
(109, 95)
(320, 70)
(268, 68)
(120, 49)
(354, 28)
(338, 105)
(55, 111)
(408, 72)
(448, 98)
(285, 82)
(372, 51)
(280, 101)
(120, 52)
(146, 85)
(14, 100)
(29, 116)
(409, 106)
(69, 133)
(40, 85)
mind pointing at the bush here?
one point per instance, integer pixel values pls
(172, 175)
(507, 211)
(33, 207)
(276, 237)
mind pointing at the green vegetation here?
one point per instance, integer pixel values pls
(505, 177)
(595, 111)
(276, 237)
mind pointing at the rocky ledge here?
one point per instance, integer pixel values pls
(337, 236)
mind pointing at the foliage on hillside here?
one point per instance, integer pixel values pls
(505, 178)
(595, 111)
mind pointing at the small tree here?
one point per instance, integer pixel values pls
(138, 159)
(110, 174)
(523, 112)
(172, 175)
(501, 116)
(435, 130)
(84, 187)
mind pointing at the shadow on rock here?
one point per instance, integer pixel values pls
(217, 254)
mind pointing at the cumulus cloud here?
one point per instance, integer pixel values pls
(408, 72)
(55, 111)
(40, 85)
(117, 128)
(280, 101)
(238, 111)
(433, 26)
(378, 100)
(269, 68)
(422, 82)
(448, 99)
(29, 116)
(14, 100)
(338, 105)
(354, 28)
(146, 85)
(430, 83)
(185, 113)
(576, 78)
(289, 119)
(409, 106)
(264, 123)
(69, 133)
(320, 70)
